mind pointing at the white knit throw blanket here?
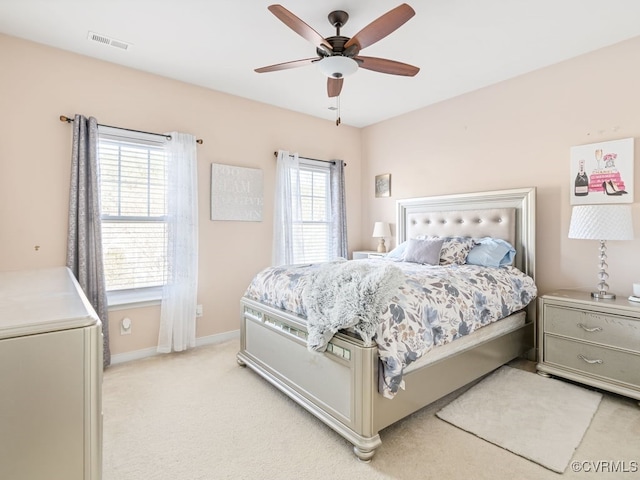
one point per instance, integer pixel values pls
(348, 294)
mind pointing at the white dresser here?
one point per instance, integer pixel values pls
(50, 378)
(595, 342)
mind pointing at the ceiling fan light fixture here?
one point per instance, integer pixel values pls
(337, 66)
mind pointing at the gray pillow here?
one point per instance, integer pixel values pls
(423, 251)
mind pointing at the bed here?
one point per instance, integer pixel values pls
(341, 386)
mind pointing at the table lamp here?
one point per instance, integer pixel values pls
(602, 222)
(381, 230)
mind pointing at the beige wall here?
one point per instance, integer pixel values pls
(518, 134)
(39, 84)
(513, 134)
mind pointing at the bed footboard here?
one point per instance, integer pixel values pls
(336, 386)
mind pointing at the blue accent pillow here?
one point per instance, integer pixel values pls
(491, 252)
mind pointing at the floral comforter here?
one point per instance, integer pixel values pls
(433, 306)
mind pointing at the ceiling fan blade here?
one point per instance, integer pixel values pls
(383, 26)
(287, 65)
(334, 86)
(383, 65)
(298, 26)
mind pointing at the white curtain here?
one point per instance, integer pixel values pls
(179, 298)
(287, 208)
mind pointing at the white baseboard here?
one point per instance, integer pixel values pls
(150, 352)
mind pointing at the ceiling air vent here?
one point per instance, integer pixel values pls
(96, 37)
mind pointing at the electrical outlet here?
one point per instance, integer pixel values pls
(125, 326)
(198, 310)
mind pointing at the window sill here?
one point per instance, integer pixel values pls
(135, 298)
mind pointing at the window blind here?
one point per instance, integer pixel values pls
(312, 230)
(133, 171)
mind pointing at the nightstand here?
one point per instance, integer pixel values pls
(367, 254)
(595, 342)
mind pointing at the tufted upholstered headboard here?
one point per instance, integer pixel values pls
(505, 214)
(495, 222)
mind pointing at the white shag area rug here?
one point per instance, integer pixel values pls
(541, 419)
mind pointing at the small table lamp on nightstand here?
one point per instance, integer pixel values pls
(602, 222)
(381, 230)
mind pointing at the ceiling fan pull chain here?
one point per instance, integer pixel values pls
(338, 111)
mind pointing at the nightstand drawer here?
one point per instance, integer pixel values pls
(593, 360)
(602, 328)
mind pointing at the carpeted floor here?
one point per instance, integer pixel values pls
(197, 415)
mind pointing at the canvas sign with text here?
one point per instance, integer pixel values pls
(236, 193)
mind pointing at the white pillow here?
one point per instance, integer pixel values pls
(397, 254)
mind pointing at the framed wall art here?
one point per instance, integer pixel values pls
(383, 185)
(602, 172)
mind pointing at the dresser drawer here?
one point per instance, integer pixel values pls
(602, 328)
(593, 359)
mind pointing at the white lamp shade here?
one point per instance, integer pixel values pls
(601, 222)
(381, 230)
(337, 66)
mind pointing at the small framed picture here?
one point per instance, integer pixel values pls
(383, 185)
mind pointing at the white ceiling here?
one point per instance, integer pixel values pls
(460, 45)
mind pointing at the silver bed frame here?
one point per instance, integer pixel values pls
(340, 386)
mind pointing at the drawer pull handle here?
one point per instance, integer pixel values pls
(582, 357)
(587, 329)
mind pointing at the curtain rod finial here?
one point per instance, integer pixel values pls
(65, 119)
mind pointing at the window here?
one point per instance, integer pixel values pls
(309, 222)
(133, 177)
(312, 230)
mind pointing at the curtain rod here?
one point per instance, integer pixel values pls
(64, 118)
(275, 154)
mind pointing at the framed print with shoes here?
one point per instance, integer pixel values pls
(602, 173)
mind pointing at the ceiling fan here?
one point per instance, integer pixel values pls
(339, 56)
